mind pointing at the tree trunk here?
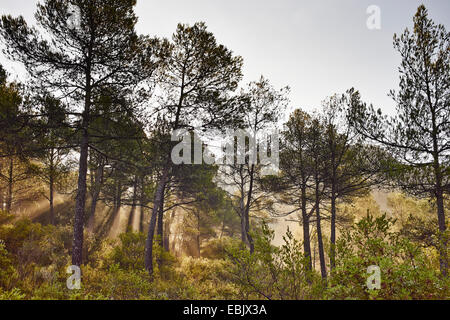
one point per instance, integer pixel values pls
(247, 232)
(166, 232)
(323, 269)
(333, 229)
(242, 216)
(133, 205)
(9, 198)
(160, 233)
(314, 256)
(333, 164)
(77, 247)
(118, 196)
(141, 219)
(78, 226)
(443, 258)
(243, 229)
(142, 202)
(159, 195)
(199, 248)
(222, 229)
(306, 233)
(51, 186)
(247, 210)
(170, 244)
(160, 226)
(52, 209)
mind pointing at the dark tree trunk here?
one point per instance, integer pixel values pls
(242, 216)
(243, 232)
(166, 232)
(443, 241)
(159, 196)
(133, 205)
(199, 252)
(314, 255)
(333, 204)
(52, 209)
(306, 233)
(222, 229)
(80, 203)
(443, 258)
(118, 197)
(199, 248)
(115, 196)
(323, 269)
(142, 202)
(141, 219)
(333, 229)
(247, 232)
(160, 225)
(247, 210)
(51, 187)
(9, 198)
(77, 247)
(160, 233)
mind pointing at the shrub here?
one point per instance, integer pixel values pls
(406, 272)
(271, 272)
(14, 294)
(7, 271)
(210, 278)
(129, 254)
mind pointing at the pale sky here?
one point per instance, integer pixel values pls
(316, 47)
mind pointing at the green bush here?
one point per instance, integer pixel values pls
(129, 254)
(406, 272)
(7, 271)
(13, 294)
(209, 277)
(271, 272)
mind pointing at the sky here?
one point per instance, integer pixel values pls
(318, 48)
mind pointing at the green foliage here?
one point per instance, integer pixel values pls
(7, 271)
(16, 234)
(216, 248)
(130, 253)
(272, 272)
(210, 276)
(14, 294)
(417, 221)
(406, 272)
